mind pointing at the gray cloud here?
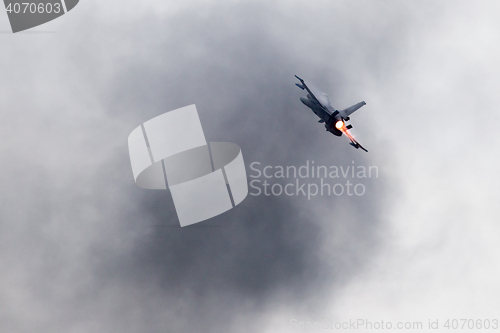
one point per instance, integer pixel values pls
(108, 254)
(243, 87)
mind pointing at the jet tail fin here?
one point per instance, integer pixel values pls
(356, 145)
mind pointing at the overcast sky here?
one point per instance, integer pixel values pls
(82, 248)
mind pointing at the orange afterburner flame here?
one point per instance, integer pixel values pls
(348, 134)
(340, 125)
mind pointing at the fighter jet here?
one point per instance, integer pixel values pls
(334, 119)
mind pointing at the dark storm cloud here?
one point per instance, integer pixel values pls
(243, 86)
(111, 256)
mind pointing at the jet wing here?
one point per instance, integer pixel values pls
(350, 110)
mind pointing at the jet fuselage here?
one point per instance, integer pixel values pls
(334, 120)
(329, 119)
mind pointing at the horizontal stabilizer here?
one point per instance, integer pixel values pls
(300, 86)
